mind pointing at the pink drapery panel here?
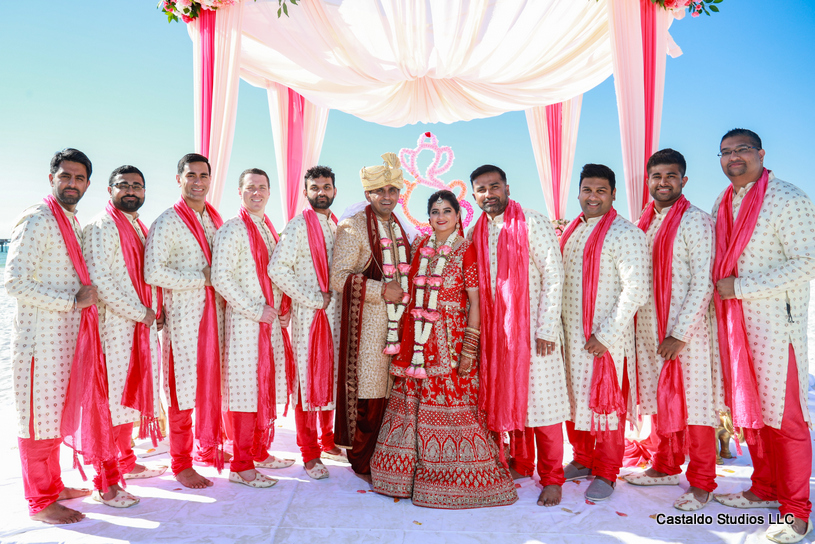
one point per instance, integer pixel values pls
(216, 37)
(640, 43)
(298, 127)
(553, 132)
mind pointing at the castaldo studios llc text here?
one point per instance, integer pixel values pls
(722, 519)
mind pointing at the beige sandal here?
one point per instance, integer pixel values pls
(261, 480)
(784, 533)
(122, 499)
(274, 462)
(688, 502)
(148, 472)
(738, 500)
(318, 471)
(639, 478)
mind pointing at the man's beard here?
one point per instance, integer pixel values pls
(131, 205)
(321, 203)
(70, 199)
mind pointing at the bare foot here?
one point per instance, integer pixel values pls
(68, 493)
(310, 464)
(517, 475)
(799, 526)
(750, 496)
(56, 514)
(550, 496)
(138, 469)
(189, 478)
(699, 494)
(111, 492)
(335, 451)
(652, 473)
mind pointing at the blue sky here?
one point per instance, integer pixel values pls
(115, 80)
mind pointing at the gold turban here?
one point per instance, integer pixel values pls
(376, 177)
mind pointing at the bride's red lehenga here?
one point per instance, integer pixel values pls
(434, 446)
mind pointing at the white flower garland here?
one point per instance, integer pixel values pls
(389, 270)
(425, 315)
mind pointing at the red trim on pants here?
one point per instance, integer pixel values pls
(246, 447)
(549, 440)
(701, 471)
(181, 438)
(369, 419)
(783, 472)
(603, 458)
(306, 424)
(42, 477)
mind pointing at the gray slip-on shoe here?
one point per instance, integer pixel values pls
(571, 472)
(599, 490)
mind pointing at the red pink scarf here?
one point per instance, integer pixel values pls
(86, 421)
(267, 405)
(321, 342)
(605, 396)
(738, 372)
(672, 409)
(138, 390)
(208, 425)
(505, 346)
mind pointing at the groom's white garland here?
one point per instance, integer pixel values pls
(395, 310)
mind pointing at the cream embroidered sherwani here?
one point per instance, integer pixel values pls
(173, 260)
(41, 276)
(235, 277)
(119, 311)
(688, 320)
(775, 270)
(352, 255)
(623, 286)
(292, 270)
(548, 398)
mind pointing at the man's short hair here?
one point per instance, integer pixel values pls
(318, 172)
(486, 169)
(598, 171)
(125, 169)
(752, 136)
(667, 156)
(72, 155)
(248, 171)
(192, 157)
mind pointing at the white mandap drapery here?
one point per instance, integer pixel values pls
(395, 62)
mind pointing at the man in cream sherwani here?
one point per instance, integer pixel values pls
(774, 273)
(120, 309)
(687, 337)
(49, 296)
(175, 262)
(622, 288)
(548, 398)
(235, 277)
(293, 271)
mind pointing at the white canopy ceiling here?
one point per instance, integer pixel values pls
(398, 62)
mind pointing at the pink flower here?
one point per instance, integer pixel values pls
(388, 269)
(431, 315)
(185, 18)
(420, 373)
(391, 349)
(428, 252)
(420, 281)
(695, 14)
(404, 268)
(386, 243)
(405, 298)
(435, 281)
(181, 4)
(445, 250)
(416, 313)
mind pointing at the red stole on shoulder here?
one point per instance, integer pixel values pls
(208, 429)
(605, 396)
(738, 372)
(86, 422)
(321, 342)
(672, 409)
(267, 405)
(138, 390)
(505, 344)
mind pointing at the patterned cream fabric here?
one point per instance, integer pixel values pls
(352, 255)
(174, 261)
(234, 276)
(41, 276)
(119, 311)
(775, 270)
(292, 270)
(548, 401)
(622, 288)
(688, 320)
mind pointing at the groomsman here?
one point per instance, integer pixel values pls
(299, 267)
(41, 276)
(765, 261)
(673, 336)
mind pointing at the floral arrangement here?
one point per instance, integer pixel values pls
(560, 226)
(695, 7)
(391, 271)
(189, 10)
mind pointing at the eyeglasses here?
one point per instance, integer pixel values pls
(738, 151)
(127, 187)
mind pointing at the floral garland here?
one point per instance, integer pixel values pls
(189, 10)
(395, 311)
(425, 315)
(560, 226)
(695, 7)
